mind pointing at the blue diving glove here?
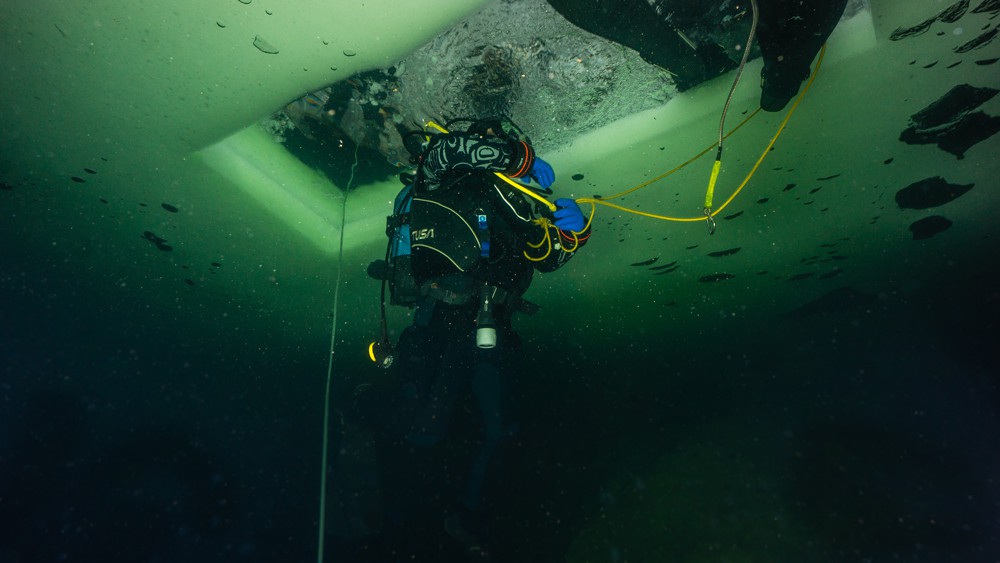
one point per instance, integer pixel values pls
(569, 217)
(542, 172)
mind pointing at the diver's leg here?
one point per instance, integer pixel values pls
(390, 404)
(491, 385)
(790, 33)
(437, 398)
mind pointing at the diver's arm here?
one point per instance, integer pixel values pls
(473, 152)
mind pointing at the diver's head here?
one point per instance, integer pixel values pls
(488, 126)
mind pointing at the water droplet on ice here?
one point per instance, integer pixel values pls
(263, 45)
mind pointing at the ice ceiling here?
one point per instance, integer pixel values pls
(132, 160)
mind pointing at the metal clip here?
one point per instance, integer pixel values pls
(710, 220)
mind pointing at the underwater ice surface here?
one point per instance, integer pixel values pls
(815, 382)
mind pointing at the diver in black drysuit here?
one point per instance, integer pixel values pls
(472, 236)
(790, 34)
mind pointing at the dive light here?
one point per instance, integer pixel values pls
(486, 328)
(381, 352)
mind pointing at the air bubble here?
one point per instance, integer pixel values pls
(263, 46)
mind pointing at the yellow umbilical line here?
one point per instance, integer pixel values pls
(781, 128)
(547, 237)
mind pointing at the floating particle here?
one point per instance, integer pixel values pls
(930, 192)
(169, 207)
(220, 24)
(982, 40)
(953, 13)
(716, 278)
(665, 270)
(837, 301)
(161, 244)
(77, 179)
(903, 33)
(929, 226)
(333, 68)
(987, 6)
(263, 46)
(950, 14)
(645, 262)
(350, 52)
(727, 252)
(950, 123)
(269, 12)
(578, 177)
(90, 171)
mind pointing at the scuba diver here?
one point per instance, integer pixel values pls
(465, 241)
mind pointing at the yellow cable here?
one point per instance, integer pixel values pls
(710, 193)
(753, 170)
(682, 165)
